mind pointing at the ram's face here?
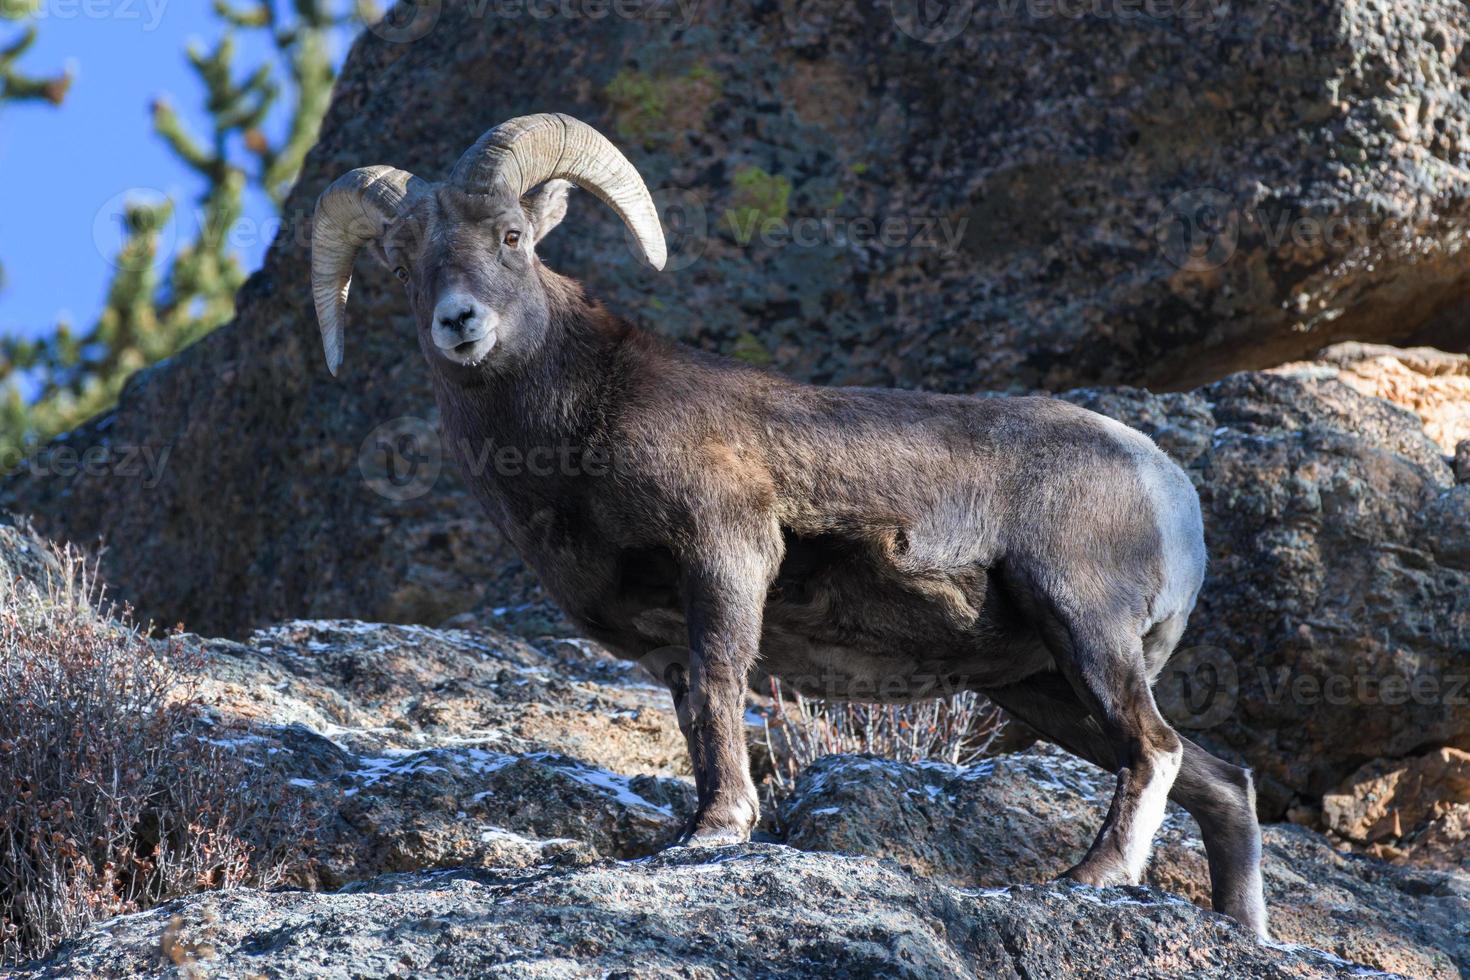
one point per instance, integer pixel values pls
(468, 263)
(465, 249)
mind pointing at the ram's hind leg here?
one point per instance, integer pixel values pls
(1106, 670)
(1217, 794)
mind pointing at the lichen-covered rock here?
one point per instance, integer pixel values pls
(1028, 817)
(756, 910)
(1003, 199)
(414, 748)
(465, 805)
(23, 555)
(377, 687)
(418, 749)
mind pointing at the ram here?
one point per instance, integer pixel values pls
(856, 542)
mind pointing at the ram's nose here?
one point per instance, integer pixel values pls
(451, 320)
(460, 322)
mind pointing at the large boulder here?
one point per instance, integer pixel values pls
(1004, 198)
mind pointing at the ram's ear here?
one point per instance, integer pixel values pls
(546, 207)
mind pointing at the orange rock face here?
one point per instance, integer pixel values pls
(1432, 384)
(1417, 808)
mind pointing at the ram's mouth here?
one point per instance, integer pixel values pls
(471, 352)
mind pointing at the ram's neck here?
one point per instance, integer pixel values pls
(558, 400)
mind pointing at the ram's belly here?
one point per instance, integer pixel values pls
(894, 649)
(842, 622)
(851, 627)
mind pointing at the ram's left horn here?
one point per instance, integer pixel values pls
(355, 210)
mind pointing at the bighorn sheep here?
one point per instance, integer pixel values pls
(858, 542)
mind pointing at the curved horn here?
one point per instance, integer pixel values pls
(349, 214)
(528, 150)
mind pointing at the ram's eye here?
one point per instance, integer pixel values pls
(512, 238)
(401, 273)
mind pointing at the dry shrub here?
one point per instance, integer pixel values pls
(114, 793)
(960, 729)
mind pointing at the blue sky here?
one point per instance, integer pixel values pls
(67, 170)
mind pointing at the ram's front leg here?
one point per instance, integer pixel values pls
(725, 600)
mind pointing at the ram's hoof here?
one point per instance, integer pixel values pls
(707, 830)
(715, 837)
(1098, 874)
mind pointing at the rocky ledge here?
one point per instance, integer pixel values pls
(496, 801)
(760, 909)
